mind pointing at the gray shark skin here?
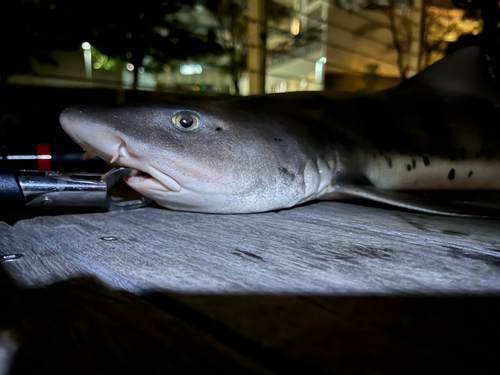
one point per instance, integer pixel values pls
(437, 131)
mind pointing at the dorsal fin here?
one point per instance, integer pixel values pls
(459, 76)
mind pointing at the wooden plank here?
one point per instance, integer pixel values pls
(38, 265)
(322, 248)
(315, 253)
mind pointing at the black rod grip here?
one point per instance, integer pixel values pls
(11, 193)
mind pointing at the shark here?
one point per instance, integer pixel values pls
(437, 131)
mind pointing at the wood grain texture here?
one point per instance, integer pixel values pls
(322, 248)
(280, 291)
(39, 265)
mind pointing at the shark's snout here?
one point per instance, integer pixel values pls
(93, 135)
(92, 128)
(71, 116)
(75, 123)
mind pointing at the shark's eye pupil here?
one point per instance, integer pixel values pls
(186, 122)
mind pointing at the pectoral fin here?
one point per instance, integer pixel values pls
(418, 202)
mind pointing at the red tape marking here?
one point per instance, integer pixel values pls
(43, 149)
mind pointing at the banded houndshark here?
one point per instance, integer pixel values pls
(438, 130)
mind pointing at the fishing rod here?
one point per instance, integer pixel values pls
(50, 188)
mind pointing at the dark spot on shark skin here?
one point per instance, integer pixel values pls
(286, 172)
(451, 175)
(462, 153)
(240, 253)
(389, 161)
(278, 140)
(454, 233)
(426, 161)
(413, 163)
(408, 167)
(470, 173)
(219, 129)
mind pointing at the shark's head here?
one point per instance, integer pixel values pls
(217, 157)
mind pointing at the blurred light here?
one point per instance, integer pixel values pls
(28, 157)
(303, 83)
(140, 69)
(295, 27)
(87, 58)
(109, 64)
(130, 67)
(196, 88)
(202, 87)
(190, 69)
(320, 68)
(283, 86)
(166, 68)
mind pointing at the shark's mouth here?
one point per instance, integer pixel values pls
(153, 179)
(147, 177)
(137, 175)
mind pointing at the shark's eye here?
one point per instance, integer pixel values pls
(186, 121)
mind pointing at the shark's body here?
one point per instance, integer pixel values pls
(438, 131)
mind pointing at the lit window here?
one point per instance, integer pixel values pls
(295, 27)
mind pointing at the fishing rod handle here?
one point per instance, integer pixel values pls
(11, 193)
